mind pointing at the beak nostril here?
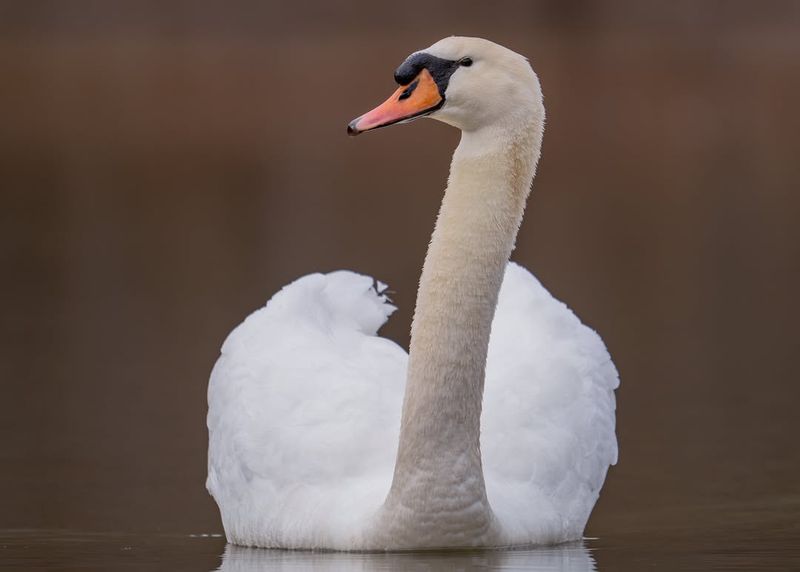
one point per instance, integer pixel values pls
(409, 90)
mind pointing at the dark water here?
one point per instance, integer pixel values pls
(166, 166)
(751, 538)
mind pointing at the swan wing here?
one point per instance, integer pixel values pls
(304, 414)
(548, 423)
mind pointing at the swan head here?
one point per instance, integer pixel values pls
(469, 83)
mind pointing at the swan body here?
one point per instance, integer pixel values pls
(496, 429)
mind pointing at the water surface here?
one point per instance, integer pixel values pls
(735, 537)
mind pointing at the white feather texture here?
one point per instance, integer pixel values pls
(304, 416)
(304, 413)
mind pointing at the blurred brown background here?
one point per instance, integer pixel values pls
(166, 166)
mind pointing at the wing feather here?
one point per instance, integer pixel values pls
(548, 419)
(304, 412)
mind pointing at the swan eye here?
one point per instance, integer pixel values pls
(466, 62)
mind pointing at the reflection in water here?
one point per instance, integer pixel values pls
(572, 557)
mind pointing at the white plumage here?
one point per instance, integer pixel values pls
(496, 429)
(304, 415)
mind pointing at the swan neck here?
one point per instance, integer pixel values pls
(439, 448)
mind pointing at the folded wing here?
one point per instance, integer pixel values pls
(304, 413)
(547, 435)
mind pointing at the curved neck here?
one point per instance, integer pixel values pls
(439, 449)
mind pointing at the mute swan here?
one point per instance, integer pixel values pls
(307, 445)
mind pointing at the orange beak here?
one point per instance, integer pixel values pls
(419, 97)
